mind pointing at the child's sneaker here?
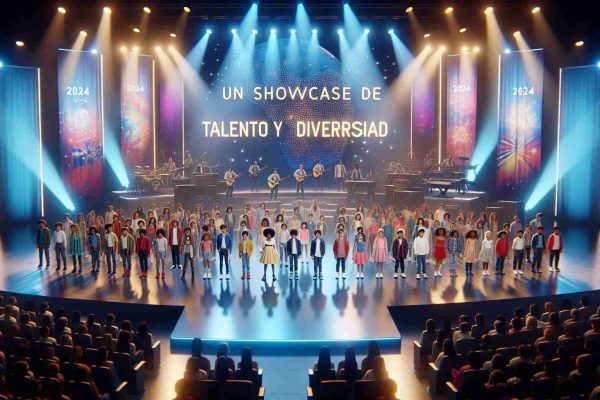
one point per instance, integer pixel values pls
(418, 276)
(343, 275)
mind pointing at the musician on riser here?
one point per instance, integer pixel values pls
(300, 175)
(230, 178)
(339, 173)
(253, 171)
(274, 179)
(318, 171)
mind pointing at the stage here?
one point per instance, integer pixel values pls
(300, 314)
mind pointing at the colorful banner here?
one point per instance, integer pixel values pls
(80, 121)
(137, 118)
(461, 113)
(170, 138)
(520, 119)
(423, 114)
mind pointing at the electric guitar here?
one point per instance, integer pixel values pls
(273, 183)
(255, 174)
(231, 181)
(317, 174)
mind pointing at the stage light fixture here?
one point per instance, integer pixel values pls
(233, 31)
(171, 48)
(598, 65)
(273, 31)
(62, 10)
(427, 35)
(157, 48)
(489, 10)
(254, 32)
(340, 31)
(535, 10)
(442, 48)
(449, 10)
(173, 35)
(391, 32)
(187, 9)
(409, 10)
(476, 49)
(367, 31)
(209, 32)
(507, 51)
(516, 33)
(94, 51)
(147, 10)
(462, 30)
(20, 43)
(292, 31)
(136, 30)
(465, 49)
(83, 33)
(314, 31)
(107, 10)
(579, 43)
(123, 49)
(1, 64)
(135, 49)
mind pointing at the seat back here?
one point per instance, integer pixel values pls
(334, 390)
(543, 388)
(65, 353)
(473, 386)
(564, 315)
(364, 390)
(79, 390)
(101, 376)
(38, 348)
(497, 341)
(83, 340)
(238, 390)
(123, 365)
(464, 346)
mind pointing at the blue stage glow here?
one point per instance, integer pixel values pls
(544, 184)
(273, 31)
(272, 60)
(340, 31)
(292, 31)
(113, 156)
(94, 51)
(1, 64)
(352, 26)
(403, 55)
(391, 32)
(302, 22)
(254, 32)
(367, 31)
(54, 183)
(507, 51)
(209, 32)
(196, 56)
(249, 23)
(234, 31)
(314, 31)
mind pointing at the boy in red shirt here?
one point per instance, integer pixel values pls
(501, 252)
(555, 247)
(143, 250)
(341, 248)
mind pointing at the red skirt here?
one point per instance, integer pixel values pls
(439, 250)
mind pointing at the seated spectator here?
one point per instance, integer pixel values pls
(497, 376)
(143, 337)
(565, 388)
(46, 321)
(448, 327)
(51, 379)
(45, 336)
(498, 361)
(531, 323)
(103, 361)
(6, 319)
(65, 340)
(324, 361)
(246, 357)
(22, 353)
(222, 371)
(372, 352)
(223, 351)
(499, 328)
(94, 328)
(75, 321)
(193, 371)
(474, 363)
(2, 363)
(436, 347)
(516, 325)
(28, 327)
(585, 311)
(478, 330)
(204, 363)
(447, 350)
(570, 333)
(523, 356)
(60, 327)
(548, 309)
(595, 329)
(48, 355)
(348, 367)
(596, 315)
(109, 326)
(125, 345)
(463, 332)
(45, 311)
(574, 316)
(553, 330)
(534, 311)
(15, 311)
(22, 382)
(83, 373)
(108, 342)
(126, 325)
(379, 372)
(428, 335)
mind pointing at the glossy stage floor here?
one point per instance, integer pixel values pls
(294, 313)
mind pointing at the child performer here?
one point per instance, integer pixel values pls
(94, 248)
(317, 252)
(60, 243)
(360, 254)
(399, 253)
(42, 242)
(269, 252)
(501, 252)
(439, 250)
(282, 238)
(322, 225)
(528, 234)
(486, 254)
(161, 244)
(304, 239)
(421, 251)
(224, 246)
(76, 247)
(470, 252)
(206, 247)
(245, 249)
(294, 251)
(341, 248)
(454, 245)
(555, 247)
(538, 242)
(143, 248)
(126, 249)
(188, 248)
(518, 247)
(379, 253)
(111, 245)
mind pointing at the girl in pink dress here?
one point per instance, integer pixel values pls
(379, 254)
(359, 255)
(304, 237)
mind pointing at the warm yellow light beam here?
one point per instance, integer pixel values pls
(147, 10)
(535, 10)
(62, 10)
(579, 43)
(449, 10)
(20, 43)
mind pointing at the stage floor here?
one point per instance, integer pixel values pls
(293, 312)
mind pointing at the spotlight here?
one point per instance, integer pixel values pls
(409, 10)
(136, 30)
(83, 33)
(233, 31)
(427, 35)
(273, 31)
(598, 65)
(209, 32)
(147, 10)
(465, 49)
(506, 51)
(442, 48)
(123, 49)
(157, 48)
(2, 64)
(579, 43)
(173, 35)
(489, 10)
(171, 48)
(391, 32)
(187, 9)
(94, 51)
(62, 10)
(292, 31)
(254, 32)
(340, 31)
(516, 33)
(462, 30)
(449, 10)
(135, 49)
(20, 43)
(427, 48)
(367, 31)
(107, 10)
(314, 31)
(535, 10)
(476, 49)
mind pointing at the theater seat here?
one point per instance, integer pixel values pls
(101, 376)
(464, 346)
(197, 390)
(135, 374)
(330, 390)
(473, 386)
(79, 390)
(241, 390)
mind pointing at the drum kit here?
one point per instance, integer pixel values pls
(152, 181)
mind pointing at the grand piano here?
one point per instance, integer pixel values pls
(360, 188)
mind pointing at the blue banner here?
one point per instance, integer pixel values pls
(520, 120)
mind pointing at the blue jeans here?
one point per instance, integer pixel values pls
(111, 258)
(518, 260)
(59, 249)
(187, 258)
(452, 262)
(500, 264)
(245, 264)
(554, 256)
(293, 262)
(175, 255)
(318, 265)
(283, 254)
(143, 261)
(95, 259)
(223, 256)
(342, 262)
(537, 258)
(44, 251)
(421, 264)
(126, 257)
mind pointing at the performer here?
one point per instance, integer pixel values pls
(399, 253)
(555, 247)
(356, 173)
(359, 254)
(110, 249)
(300, 175)
(188, 248)
(341, 249)
(143, 248)
(318, 171)
(60, 245)
(317, 252)
(188, 163)
(454, 247)
(224, 245)
(245, 249)
(229, 179)
(379, 253)
(294, 251)
(448, 162)
(274, 180)
(42, 242)
(253, 172)
(339, 173)
(538, 242)
(269, 252)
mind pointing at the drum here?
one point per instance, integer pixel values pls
(156, 185)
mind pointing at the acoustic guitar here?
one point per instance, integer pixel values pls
(300, 179)
(273, 183)
(317, 174)
(231, 181)
(255, 174)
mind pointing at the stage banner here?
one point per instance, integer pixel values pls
(170, 138)
(80, 121)
(520, 120)
(19, 143)
(423, 114)
(461, 126)
(579, 145)
(137, 118)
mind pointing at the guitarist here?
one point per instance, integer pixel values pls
(300, 175)
(339, 173)
(230, 177)
(318, 171)
(253, 171)
(275, 180)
